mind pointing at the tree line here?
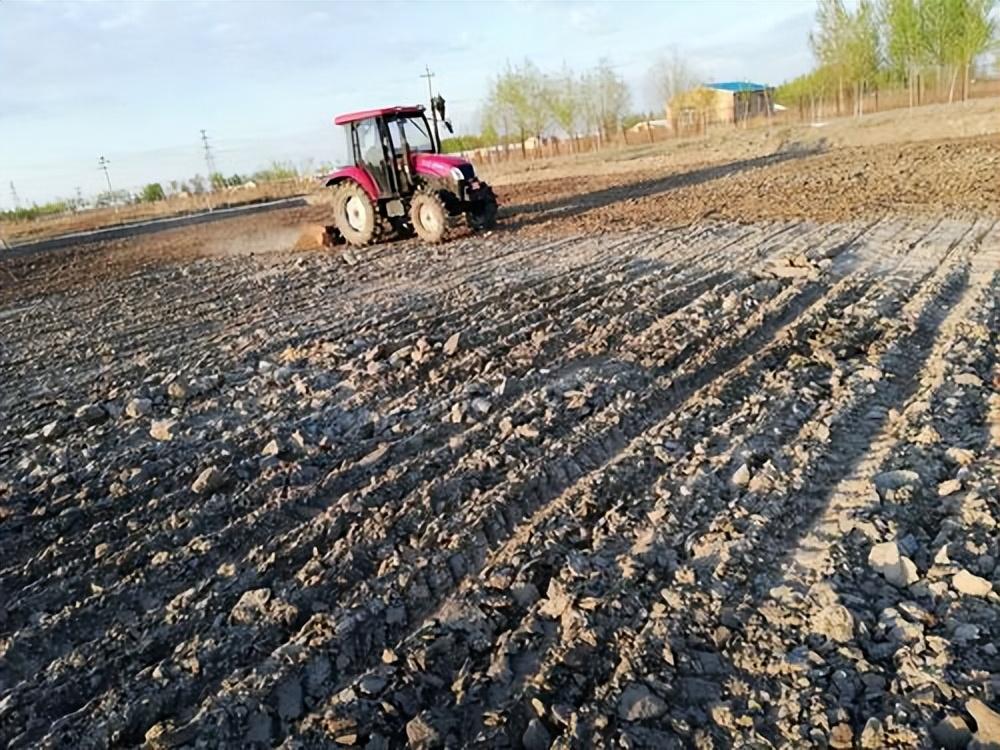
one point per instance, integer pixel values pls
(916, 44)
(523, 102)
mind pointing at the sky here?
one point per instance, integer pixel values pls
(136, 82)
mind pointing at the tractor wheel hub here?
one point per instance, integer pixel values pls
(357, 212)
(428, 217)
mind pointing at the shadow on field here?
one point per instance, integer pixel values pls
(527, 214)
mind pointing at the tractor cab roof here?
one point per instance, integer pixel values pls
(381, 112)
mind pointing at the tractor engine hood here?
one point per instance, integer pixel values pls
(440, 165)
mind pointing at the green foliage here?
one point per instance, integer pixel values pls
(277, 171)
(34, 211)
(457, 144)
(151, 193)
(896, 39)
(220, 181)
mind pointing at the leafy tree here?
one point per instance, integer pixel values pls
(904, 46)
(977, 35)
(562, 97)
(277, 171)
(151, 193)
(847, 46)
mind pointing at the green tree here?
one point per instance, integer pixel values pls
(904, 45)
(151, 193)
(562, 97)
(977, 35)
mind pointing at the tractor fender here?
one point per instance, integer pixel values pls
(355, 174)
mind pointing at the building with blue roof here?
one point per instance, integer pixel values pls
(722, 102)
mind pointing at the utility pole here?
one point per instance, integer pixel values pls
(209, 159)
(13, 195)
(79, 198)
(102, 164)
(430, 99)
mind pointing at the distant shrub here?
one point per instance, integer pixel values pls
(151, 193)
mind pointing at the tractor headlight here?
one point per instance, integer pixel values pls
(456, 174)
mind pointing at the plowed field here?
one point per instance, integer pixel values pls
(687, 479)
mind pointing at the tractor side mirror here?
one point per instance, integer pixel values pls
(447, 124)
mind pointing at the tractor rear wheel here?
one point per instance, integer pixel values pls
(428, 216)
(355, 214)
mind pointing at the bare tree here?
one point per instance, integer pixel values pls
(668, 76)
(612, 95)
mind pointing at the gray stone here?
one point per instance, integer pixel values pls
(536, 736)
(209, 481)
(873, 735)
(741, 477)
(422, 734)
(836, 622)
(639, 704)
(372, 684)
(91, 414)
(987, 736)
(885, 559)
(177, 391)
(949, 487)
(163, 429)
(966, 583)
(251, 607)
(139, 407)
(951, 733)
(289, 695)
(451, 345)
(53, 430)
(896, 479)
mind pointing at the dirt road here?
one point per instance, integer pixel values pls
(687, 481)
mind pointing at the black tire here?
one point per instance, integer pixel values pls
(428, 216)
(484, 215)
(355, 214)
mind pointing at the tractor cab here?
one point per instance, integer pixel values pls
(399, 177)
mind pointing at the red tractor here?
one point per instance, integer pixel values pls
(400, 180)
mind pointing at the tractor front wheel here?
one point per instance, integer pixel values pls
(428, 217)
(355, 214)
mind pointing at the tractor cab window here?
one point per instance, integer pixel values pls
(369, 141)
(417, 135)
